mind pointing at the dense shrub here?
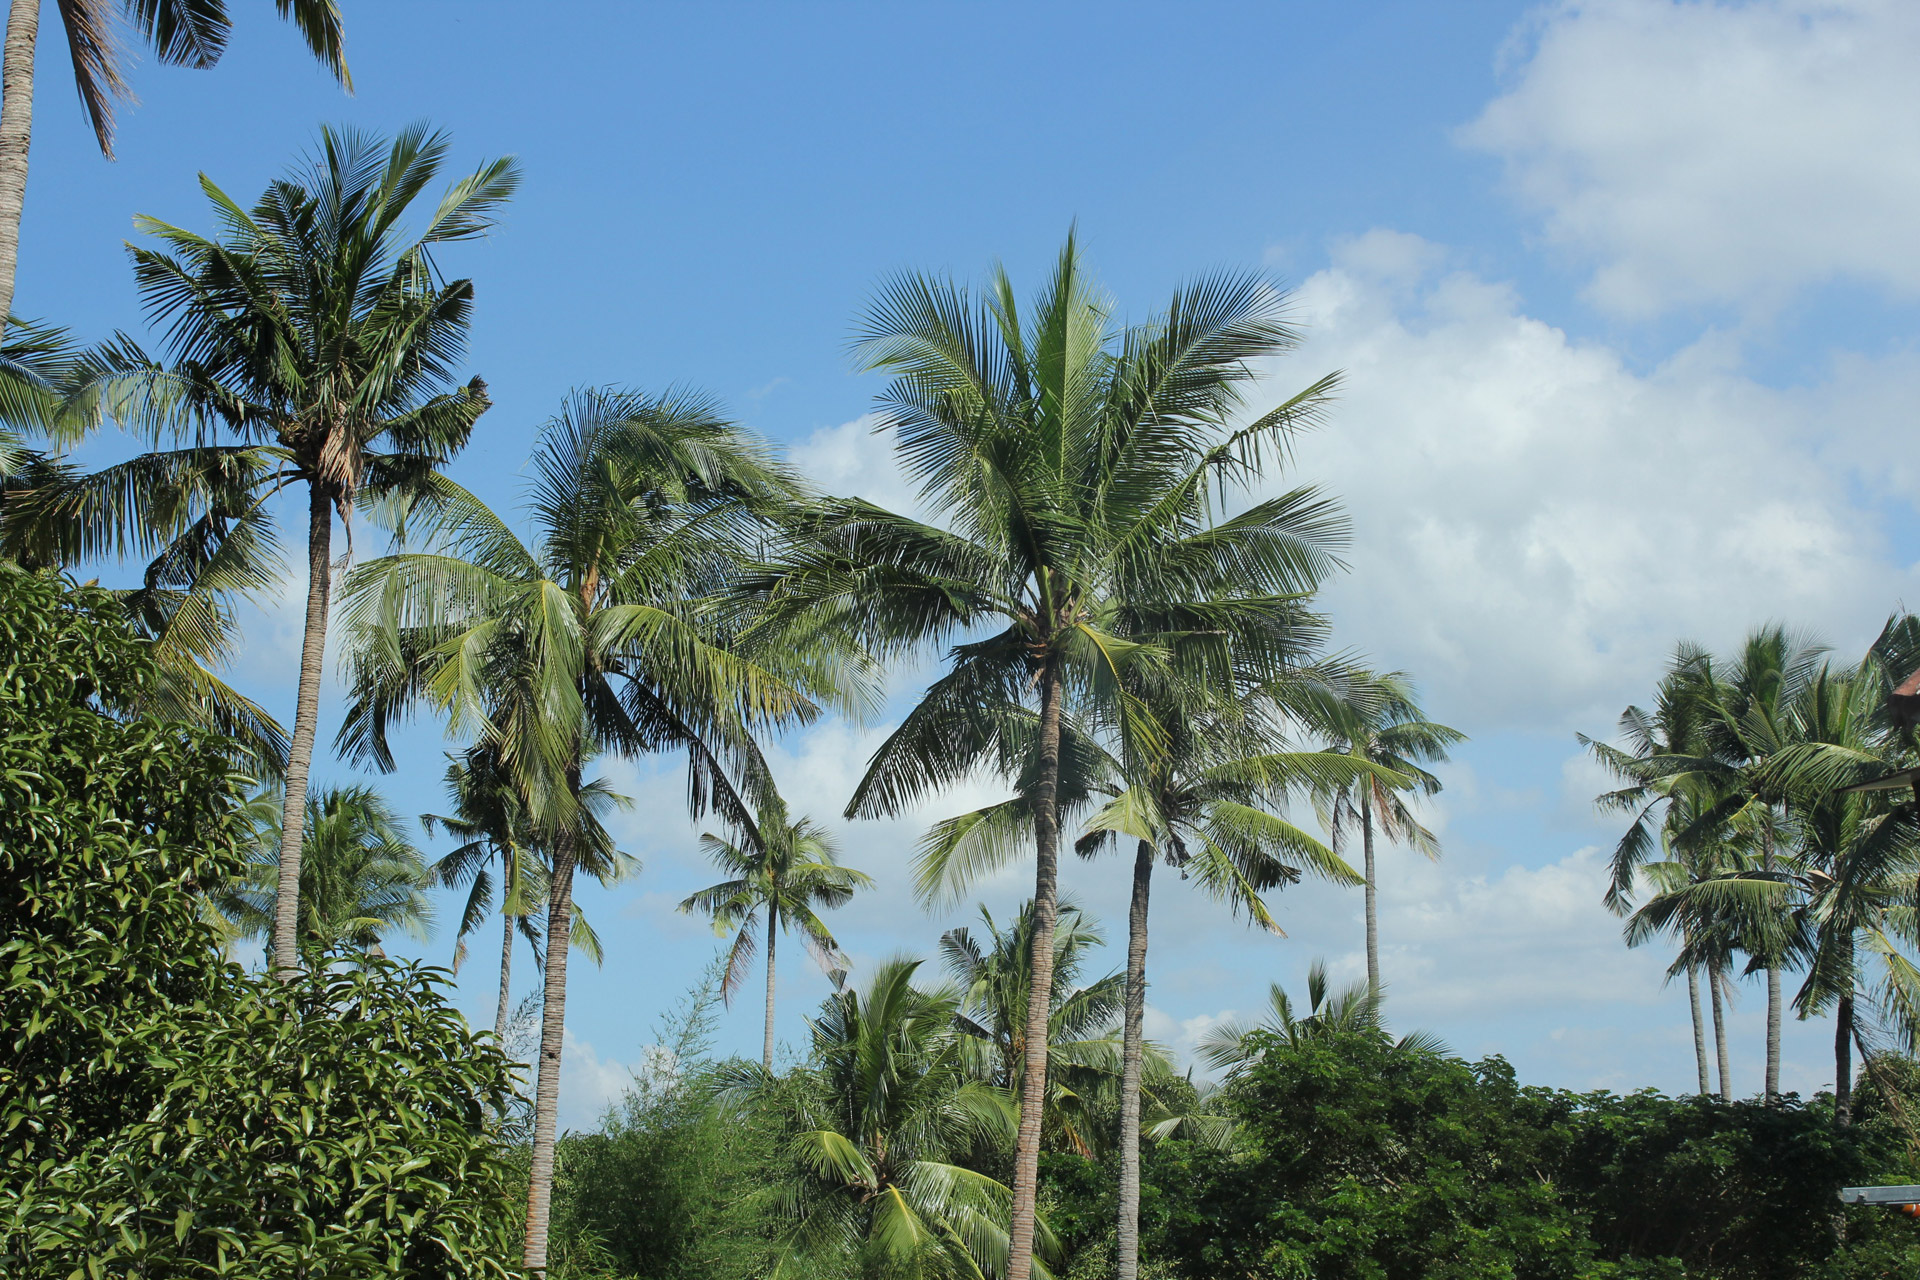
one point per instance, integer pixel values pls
(1360, 1159)
(163, 1113)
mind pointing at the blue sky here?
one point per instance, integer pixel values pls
(1624, 292)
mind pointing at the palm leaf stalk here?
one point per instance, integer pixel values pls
(191, 33)
(789, 869)
(596, 636)
(1075, 467)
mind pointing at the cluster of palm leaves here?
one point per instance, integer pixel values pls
(1126, 622)
(1775, 828)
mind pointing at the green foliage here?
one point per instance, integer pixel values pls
(1371, 1160)
(162, 1113)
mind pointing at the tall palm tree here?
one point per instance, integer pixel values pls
(1674, 728)
(596, 635)
(1205, 803)
(491, 819)
(1848, 884)
(362, 878)
(1074, 467)
(190, 33)
(1384, 725)
(1232, 1046)
(879, 1127)
(994, 972)
(318, 336)
(1747, 724)
(789, 869)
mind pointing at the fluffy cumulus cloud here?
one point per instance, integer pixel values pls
(1716, 152)
(1535, 522)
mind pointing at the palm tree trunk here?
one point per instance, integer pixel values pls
(1131, 1055)
(1843, 1061)
(16, 135)
(1720, 1033)
(553, 1027)
(773, 932)
(1373, 919)
(1699, 1028)
(506, 967)
(306, 720)
(1046, 911)
(1773, 983)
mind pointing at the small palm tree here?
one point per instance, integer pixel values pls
(1231, 1046)
(318, 337)
(361, 877)
(789, 869)
(1382, 724)
(491, 819)
(191, 33)
(1083, 1051)
(879, 1125)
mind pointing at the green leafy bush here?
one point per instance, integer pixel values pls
(163, 1113)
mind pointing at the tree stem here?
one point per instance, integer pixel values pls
(773, 931)
(1720, 1033)
(1699, 1028)
(553, 1027)
(1373, 918)
(1033, 1084)
(306, 721)
(1132, 1055)
(16, 136)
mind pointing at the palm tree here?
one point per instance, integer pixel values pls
(789, 869)
(319, 335)
(189, 33)
(1735, 793)
(1203, 804)
(1383, 724)
(1674, 728)
(1233, 1046)
(878, 1127)
(1075, 469)
(491, 819)
(361, 877)
(183, 604)
(595, 636)
(994, 981)
(1848, 886)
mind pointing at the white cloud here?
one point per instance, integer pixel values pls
(1535, 522)
(589, 1084)
(853, 461)
(1717, 152)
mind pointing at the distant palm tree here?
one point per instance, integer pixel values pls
(1076, 468)
(1674, 728)
(491, 818)
(789, 869)
(1383, 724)
(596, 635)
(1083, 1051)
(879, 1124)
(361, 877)
(1231, 1046)
(190, 33)
(315, 332)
